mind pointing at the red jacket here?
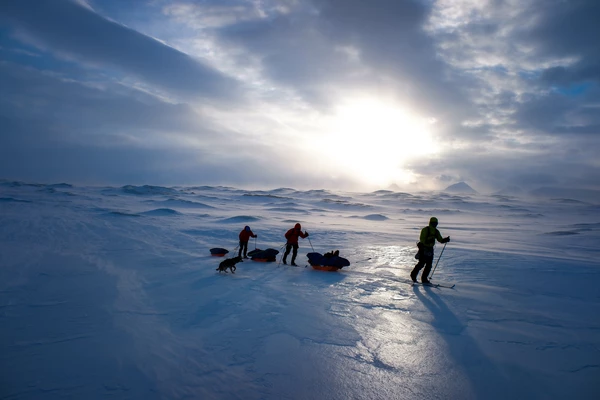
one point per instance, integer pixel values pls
(245, 235)
(293, 234)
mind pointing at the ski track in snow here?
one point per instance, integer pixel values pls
(95, 304)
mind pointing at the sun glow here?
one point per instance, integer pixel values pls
(372, 141)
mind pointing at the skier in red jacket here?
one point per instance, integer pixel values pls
(292, 242)
(245, 235)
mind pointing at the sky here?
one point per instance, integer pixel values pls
(340, 94)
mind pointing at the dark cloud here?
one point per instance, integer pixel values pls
(565, 28)
(543, 112)
(80, 109)
(566, 112)
(73, 30)
(563, 76)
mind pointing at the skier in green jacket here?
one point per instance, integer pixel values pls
(429, 235)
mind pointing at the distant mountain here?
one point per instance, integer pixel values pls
(394, 187)
(460, 187)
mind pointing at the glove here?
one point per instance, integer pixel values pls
(255, 236)
(446, 239)
(306, 233)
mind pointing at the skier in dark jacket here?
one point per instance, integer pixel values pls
(429, 235)
(245, 235)
(292, 242)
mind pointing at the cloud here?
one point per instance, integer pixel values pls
(72, 30)
(88, 108)
(242, 89)
(325, 50)
(57, 129)
(567, 30)
(534, 80)
(531, 50)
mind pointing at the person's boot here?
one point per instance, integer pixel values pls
(284, 260)
(425, 275)
(413, 275)
(293, 262)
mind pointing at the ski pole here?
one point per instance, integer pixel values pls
(281, 250)
(438, 260)
(311, 246)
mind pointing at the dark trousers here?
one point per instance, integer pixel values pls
(244, 247)
(288, 248)
(425, 260)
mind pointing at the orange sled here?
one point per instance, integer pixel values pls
(326, 267)
(330, 263)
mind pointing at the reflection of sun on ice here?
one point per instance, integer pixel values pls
(372, 141)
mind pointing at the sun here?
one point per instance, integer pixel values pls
(373, 140)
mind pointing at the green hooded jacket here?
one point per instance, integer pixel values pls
(430, 234)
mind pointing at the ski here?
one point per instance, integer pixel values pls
(424, 284)
(449, 286)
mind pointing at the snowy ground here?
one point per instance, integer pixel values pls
(112, 292)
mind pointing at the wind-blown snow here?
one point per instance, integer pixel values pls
(112, 292)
